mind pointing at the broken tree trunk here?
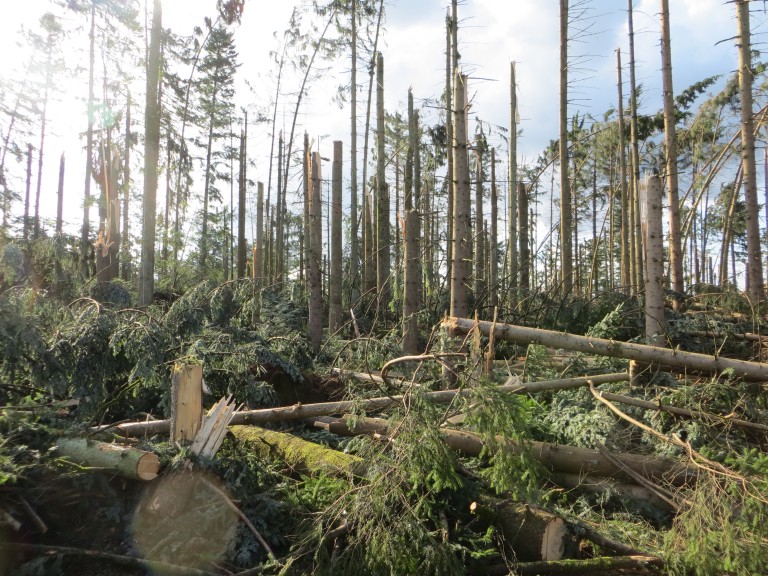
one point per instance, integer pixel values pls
(651, 355)
(300, 411)
(556, 457)
(186, 402)
(128, 462)
(529, 533)
(300, 455)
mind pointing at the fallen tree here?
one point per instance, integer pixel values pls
(555, 457)
(301, 411)
(652, 356)
(128, 462)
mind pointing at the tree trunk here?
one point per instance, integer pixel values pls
(493, 255)
(242, 184)
(335, 280)
(60, 197)
(525, 251)
(655, 324)
(151, 155)
(307, 191)
(514, 267)
(383, 240)
(258, 254)
(751, 212)
(670, 132)
(412, 256)
(450, 64)
(462, 229)
(636, 235)
(566, 228)
(354, 250)
(301, 456)
(315, 326)
(206, 189)
(40, 152)
(125, 259)
(127, 462)
(85, 245)
(479, 256)
(625, 231)
(652, 355)
(27, 220)
(280, 217)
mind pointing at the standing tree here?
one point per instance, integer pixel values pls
(383, 240)
(412, 293)
(151, 157)
(315, 324)
(566, 228)
(335, 279)
(670, 131)
(462, 228)
(752, 214)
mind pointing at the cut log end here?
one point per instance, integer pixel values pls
(148, 467)
(553, 539)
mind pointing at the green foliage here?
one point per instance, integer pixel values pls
(725, 525)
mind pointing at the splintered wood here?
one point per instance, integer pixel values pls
(214, 428)
(186, 402)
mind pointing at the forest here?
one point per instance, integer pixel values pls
(233, 345)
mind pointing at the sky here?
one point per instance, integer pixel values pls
(492, 34)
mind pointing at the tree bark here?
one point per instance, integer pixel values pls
(383, 240)
(462, 230)
(493, 255)
(315, 325)
(412, 281)
(670, 133)
(85, 245)
(242, 181)
(60, 197)
(27, 220)
(514, 267)
(354, 250)
(652, 355)
(125, 260)
(751, 212)
(335, 280)
(128, 462)
(566, 228)
(636, 236)
(655, 323)
(625, 230)
(151, 155)
(479, 236)
(525, 250)
(258, 254)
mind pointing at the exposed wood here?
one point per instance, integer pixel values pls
(301, 456)
(186, 402)
(651, 355)
(558, 457)
(529, 533)
(213, 429)
(128, 462)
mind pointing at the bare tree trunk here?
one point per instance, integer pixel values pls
(307, 190)
(479, 256)
(354, 250)
(670, 131)
(60, 197)
(513, 272)
(462, 228)
(279, 217)
(625, 234)
(315, 326)
(125, 259)
(335, 279)
(636, 235)
(566, 228)
(655, 324)
(242, 180)
(258, 254)
(151, 154)
(27, 221)
(751, 213)
(493, 255)
(412, 292)
(206, 190)
(525, 251)
(41, 150)
(383, 240)
(451, 185)
(85, 245)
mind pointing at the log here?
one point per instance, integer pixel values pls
(301, 456)
(555, 457)
(301, 411)
(650, 355)
(529, 533)
(608, 565)
(595, 484)
(708, 416)
(128, 462)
